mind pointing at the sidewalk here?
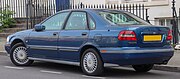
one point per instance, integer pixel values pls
(173, 65)
(2, 43)
(175, 60)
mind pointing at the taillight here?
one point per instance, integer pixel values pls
(169, 36)
(127, 35)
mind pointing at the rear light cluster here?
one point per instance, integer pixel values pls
(127, 35)
(169, 36)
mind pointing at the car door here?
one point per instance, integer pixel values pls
(43, 44)
(73, 36)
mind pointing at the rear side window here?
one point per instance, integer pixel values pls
(77, 21)
(92, 24)
(121, 18)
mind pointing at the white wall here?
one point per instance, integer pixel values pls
(162, 11)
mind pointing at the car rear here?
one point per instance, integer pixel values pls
(140, 45)
(132, 41)
(145, 36)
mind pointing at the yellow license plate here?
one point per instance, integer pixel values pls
(148, 38)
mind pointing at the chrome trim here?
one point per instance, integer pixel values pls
(60, 48)
(56, 61)
(42, 47)
(72, 50)
(75, 48)
(140, 51)
(110, 65)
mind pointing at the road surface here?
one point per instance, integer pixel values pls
(45, 70)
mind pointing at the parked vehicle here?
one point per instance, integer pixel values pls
(92, 38)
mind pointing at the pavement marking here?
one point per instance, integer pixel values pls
(52, 72)
(11, 67)
(93, 77)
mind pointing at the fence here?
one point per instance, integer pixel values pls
(20, 6)
(37, 10)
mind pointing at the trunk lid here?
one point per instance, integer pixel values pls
(147, 36)
(151, 36)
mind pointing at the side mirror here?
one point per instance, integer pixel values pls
(39, 27)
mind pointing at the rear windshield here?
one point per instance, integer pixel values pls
(121, 18)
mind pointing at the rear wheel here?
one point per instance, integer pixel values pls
(143, 68)
(18, 55)
(91, 62)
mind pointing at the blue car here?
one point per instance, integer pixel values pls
(92, 39)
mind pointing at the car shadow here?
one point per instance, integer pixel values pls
(109, 72)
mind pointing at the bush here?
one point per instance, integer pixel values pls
(6, 20)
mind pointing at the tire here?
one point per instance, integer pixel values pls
(143, 68)
(18, 55)
(95, 65)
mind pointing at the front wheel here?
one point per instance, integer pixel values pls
(18, 55)
(143, 68)
(91, 62)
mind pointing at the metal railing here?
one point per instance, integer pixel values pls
(37, 10)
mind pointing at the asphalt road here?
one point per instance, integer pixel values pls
(44, 70)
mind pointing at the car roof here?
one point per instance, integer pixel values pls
(107, 10)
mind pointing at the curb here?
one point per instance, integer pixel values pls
(3, 53)
(169, 68)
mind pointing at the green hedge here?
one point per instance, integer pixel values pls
(5, 18)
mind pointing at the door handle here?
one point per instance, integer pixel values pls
(84, 33)
(55, 33)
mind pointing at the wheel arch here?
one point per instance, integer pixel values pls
(85, 47)
(15, 41)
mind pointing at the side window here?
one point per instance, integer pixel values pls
(119, 18)
(92, 24)
(77, 21)
(55, 22)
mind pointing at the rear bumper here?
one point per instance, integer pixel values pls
(136, 55)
